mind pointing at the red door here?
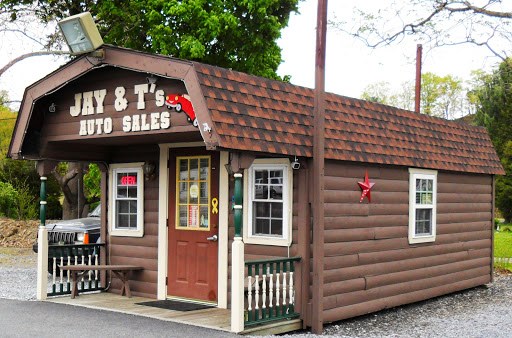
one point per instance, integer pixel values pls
(193, 225)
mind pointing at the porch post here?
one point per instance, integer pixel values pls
(42, 246)
(238, 263)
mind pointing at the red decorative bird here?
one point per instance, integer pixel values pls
(366, 186)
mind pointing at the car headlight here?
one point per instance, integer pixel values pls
(80, 237)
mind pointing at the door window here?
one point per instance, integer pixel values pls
(193, 193)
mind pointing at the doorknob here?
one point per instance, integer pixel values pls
(213, 238)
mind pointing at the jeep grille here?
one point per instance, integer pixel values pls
(56, 237)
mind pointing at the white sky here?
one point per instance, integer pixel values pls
(350, 65)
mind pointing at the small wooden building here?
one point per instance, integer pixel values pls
(427, 231)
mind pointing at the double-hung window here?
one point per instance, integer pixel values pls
(268, 202)
(127, 208)
(422, 205)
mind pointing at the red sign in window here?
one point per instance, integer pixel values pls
(128, 180)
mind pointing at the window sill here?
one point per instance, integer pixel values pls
(266, 241)
(422, 239)
(126, 233)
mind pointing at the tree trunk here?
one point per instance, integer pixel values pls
(72, 185)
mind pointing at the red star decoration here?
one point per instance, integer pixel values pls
(366, 186)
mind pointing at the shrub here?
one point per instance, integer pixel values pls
(8, 199)
(497, 223)
(26, 207)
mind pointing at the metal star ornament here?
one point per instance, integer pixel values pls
(366, 186)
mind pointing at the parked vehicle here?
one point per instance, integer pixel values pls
(74, 231)
(182, 103)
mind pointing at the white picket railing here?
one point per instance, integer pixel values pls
(266, 278)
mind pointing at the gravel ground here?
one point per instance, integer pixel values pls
(479, 312)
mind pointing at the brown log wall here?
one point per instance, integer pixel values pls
(369, 263)
(141, 251)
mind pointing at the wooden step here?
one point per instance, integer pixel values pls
(283, 326)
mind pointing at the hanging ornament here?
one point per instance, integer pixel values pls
(366, 186)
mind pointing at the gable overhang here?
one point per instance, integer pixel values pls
(158, 65)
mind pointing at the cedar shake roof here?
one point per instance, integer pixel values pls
(257, 114)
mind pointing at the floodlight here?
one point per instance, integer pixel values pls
(80, 33)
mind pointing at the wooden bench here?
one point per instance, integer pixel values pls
(121, 272)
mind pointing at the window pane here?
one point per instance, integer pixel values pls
(274, 174)
(183, 192)
(430, 185)
(122, 221)
(261, 209)
(203, 216)
(423, 221)
(203, 193)
(193, 193)
(276, 192)
(132, 191)
(183, 216)
(194, 169)
(261, 226)
(122, 192)
(418, 184)
(204, 166)
(133, 207)
(133, 221)
(276, 210)
(123, 207)
(260, 176)
(183, 170)
(261, 192)
(277, 227)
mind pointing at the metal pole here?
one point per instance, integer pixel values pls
(418, 78)
(318, 169)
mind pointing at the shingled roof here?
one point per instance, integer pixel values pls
(257, 114)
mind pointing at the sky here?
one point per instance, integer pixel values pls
(350, 65)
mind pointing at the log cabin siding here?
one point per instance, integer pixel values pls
(369, 263)
(141, 251)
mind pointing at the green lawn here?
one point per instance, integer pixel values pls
(503, 248)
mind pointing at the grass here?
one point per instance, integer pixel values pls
(503, 248)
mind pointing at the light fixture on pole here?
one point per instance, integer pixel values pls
(80, 33)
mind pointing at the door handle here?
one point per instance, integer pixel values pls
(213, 238)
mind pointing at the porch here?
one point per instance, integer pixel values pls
(213, 318)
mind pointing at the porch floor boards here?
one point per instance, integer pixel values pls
(217, 319)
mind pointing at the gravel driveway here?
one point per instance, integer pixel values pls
(479, 312)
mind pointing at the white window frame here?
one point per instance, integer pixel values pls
(421, 174)
(249, 237)
(119, 168)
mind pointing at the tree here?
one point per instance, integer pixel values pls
(381, 92)
(23, 178)
(435, 23)
(240, 35)
(441, 96)
(494, 111)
